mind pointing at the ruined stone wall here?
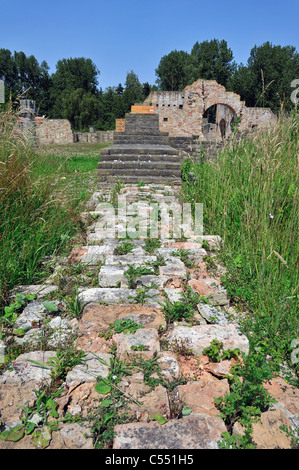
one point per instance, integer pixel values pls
(256, 117)
(53, 131)
(181, 113)
(94, 137)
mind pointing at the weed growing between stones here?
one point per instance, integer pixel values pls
(182, 309)
(247, 398)
(216, 353)
(184, 256)
(42, 418)
(151, 244)
(124, 248)
(73, 304)
(294, 436)
(179, 347)
(113, 407)
(134, 272)
(153, 376)
(115, 192)
(126, 326)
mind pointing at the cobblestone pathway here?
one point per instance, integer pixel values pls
(143, 315)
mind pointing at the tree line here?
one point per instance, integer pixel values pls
(72, 91)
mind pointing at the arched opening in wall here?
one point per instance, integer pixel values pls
(217, 121)
(210, 114)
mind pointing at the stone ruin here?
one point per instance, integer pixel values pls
(140, 152)
(203, 112)
(152, 140)
(186, 113)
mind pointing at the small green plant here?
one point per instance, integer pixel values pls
(109, 411)
(247, 398)
(124, 248)
(151, 244)
(211, 265)
(205, 245)
(160, 261)
(184, 256)
(141, 295)
(216, 353)
(41, 419)
(126, 326)
(182, 309)
(140, 347)
(11, 311)
(181, 348)
(115, 192)
(62, 363)
(237, 441)
(134, 272)
(289, 432)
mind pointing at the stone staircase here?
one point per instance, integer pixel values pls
(163, 368)
(140, 154)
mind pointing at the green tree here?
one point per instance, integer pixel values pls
(266, 79)
(213, 61)
(133, 92)
(111, 106)
(175, 71)
(74, 93)
(8, 70)
(81, 108)
(25, 76)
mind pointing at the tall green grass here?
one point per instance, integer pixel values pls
(250, 199)
(37, 216)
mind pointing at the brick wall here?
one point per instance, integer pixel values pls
(142, 109)
(256, 117)
(181, 113)
(119, 125)
(53, 131)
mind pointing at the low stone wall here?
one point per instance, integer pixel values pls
(256, 117)
(93, 137)
(53, 131)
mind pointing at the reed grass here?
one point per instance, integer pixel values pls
(39, 208)
(250, 199)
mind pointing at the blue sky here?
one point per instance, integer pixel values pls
(120, 36)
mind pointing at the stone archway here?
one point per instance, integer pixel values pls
(217, 121)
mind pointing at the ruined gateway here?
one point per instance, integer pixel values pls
(186, 113)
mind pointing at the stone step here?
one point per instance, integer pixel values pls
(138, 173)
(136, 139)
(140, 165)
(129, 179)
(199, 432)
(141, 157)
(142, 123)
(140, 150)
